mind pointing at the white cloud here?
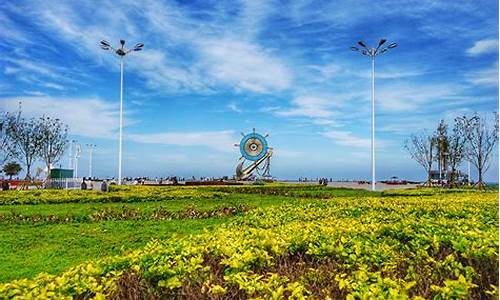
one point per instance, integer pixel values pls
(485, 77)
(325, 122)
(40, 73)
(346, 138)
(218, 140)
(88, 117)
(483, 47)
(10, 32)
(326, 72)
(95, 118)
(395, 74)
(233, 107)
(311, 107)
(163, 74)
(405, 97)
(206, 54)
(243, 65)
(34, 93)
(32, 66)
(285, 153)
(54, 86)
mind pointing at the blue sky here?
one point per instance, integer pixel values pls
(213, 69)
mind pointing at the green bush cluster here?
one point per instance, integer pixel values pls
(441, 246)
(116, 194)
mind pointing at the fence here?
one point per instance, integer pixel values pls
(63, 183)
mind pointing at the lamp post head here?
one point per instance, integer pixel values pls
(120, 52)
(105, 45)
(138, 47)
(362, 44)
(373, 52)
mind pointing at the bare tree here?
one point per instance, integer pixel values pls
(53, 140)
(481, 141)
(24, 136)
(6, 150)
(456, 151)
(421, 149)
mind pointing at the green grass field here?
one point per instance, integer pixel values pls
(273, 241)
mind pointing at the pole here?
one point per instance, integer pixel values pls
(70, 166)
(90, 161)
(468, 172)
(69, 161)
(76, 168)
(439, 162)
(373, 123)
(121, 124)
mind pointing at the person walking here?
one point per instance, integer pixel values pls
(83, 185)
(104, 186)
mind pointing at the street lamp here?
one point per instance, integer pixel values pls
(121, 52)
(70, 160)
(78, 151)
(443, 167)
(91, 147)
(372, 53)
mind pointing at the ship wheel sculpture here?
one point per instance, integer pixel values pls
(254, 148)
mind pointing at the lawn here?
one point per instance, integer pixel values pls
(54, 231)
(273, 241)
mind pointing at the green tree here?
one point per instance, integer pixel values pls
(12, 169)
(442, 147)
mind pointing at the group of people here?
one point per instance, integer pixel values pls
(324, 181)
(87, 184)
(305, 179)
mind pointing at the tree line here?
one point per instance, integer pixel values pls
(469, 139)
(25, 141)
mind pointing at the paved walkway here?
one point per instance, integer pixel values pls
(367, 186)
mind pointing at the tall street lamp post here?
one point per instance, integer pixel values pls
(372, 53)
(70, 160)
(91, 148)
(78, 151)
(121, 52)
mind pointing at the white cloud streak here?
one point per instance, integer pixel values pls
(484, 77)
(218, 140)
(233, 107)
(212, 55)
(346, 138)
(95, 118)
(311, 107)
(483, 47)
(87, 117)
